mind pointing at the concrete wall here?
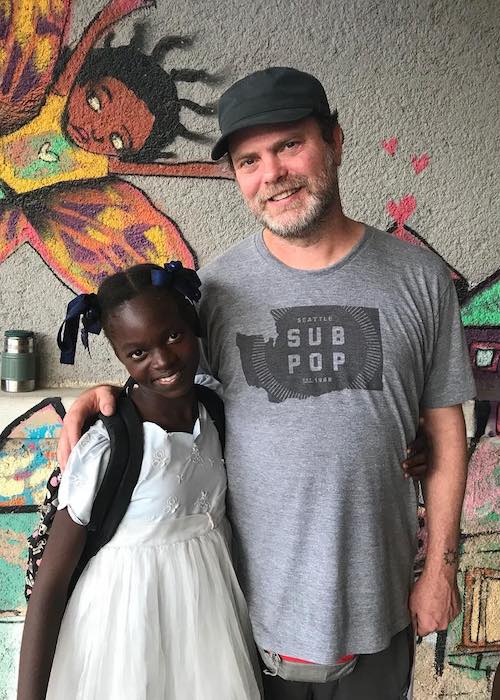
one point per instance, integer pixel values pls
(416, 86)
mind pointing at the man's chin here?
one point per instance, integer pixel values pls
(290, 230)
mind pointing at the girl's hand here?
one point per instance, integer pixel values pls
(99, 399)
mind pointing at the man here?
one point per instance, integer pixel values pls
(329, 337)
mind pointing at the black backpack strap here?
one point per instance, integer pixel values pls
(112, 500)
(215, 409)
(125, 466)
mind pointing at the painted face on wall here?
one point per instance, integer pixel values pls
(107, 118)
(287, 174)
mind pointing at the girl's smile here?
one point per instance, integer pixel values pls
(156, 344)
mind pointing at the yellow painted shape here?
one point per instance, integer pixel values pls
(38, 478)
(113, 217)
(43, 53)
(23, 20)
(492, 632)
(83, 164)
(9, 465)
(156, 235)
(97, 235)
(476, 605)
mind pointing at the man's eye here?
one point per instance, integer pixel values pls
(137, 354)
(94, 102)
(246, 163)
(117, 142)
(290, 144)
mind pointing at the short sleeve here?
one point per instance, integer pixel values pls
(449, 378)
(84, 473)
(204, 375)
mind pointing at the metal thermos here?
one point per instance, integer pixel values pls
(18, 361)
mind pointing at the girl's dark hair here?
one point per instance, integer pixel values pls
(153, 85)
(121, 287)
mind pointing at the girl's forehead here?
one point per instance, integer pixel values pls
(144, 319)
(152, 303)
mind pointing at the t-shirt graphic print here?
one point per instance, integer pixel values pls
(317, 350)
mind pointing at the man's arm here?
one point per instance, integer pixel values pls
(434, 600)
(98, 399)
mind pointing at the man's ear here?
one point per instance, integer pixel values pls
(338, 140)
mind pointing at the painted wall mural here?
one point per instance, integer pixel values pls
(72, 123)
(27, 457)
(464, 658)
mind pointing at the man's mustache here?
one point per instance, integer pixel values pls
(291, 184)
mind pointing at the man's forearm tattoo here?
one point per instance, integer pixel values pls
(451, 556)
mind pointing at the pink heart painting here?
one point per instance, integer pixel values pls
(420, 162)
(390, 146)
(402, 210)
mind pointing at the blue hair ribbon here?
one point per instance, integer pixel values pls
(86, 307)
(182, 279)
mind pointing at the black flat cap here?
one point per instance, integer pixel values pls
(270, 96)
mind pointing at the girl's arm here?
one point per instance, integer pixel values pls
(191, 169)
(109, 15)
(47, 603)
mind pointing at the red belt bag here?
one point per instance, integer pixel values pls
(305, 672)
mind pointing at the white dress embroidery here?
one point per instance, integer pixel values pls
(167, 563)
(159, 459)
(196, 457)
(172, 504)
(202, 504)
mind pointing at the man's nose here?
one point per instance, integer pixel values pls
(274, 169)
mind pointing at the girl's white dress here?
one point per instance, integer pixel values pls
(158, 613)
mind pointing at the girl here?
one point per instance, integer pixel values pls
(157, 613)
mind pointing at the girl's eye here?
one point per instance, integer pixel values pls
(174, 336)
(137, 354)
(117, 142)
(94, 102)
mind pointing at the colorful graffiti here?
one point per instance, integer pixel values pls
(464, 657)
(27, 457)
(74, 122)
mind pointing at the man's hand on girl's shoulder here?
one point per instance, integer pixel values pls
(98, 399)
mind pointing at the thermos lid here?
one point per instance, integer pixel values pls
(19, 334)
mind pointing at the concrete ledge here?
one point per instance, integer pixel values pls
(14, 405)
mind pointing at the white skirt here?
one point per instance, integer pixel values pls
(157, 615)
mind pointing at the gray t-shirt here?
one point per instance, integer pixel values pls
(324, 374)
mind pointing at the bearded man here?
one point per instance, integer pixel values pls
(329, 338)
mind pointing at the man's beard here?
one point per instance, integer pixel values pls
(302, 221)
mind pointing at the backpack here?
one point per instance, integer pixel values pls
(113, 497)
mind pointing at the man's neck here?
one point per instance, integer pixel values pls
(324, 247)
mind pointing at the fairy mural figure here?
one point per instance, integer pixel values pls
(107, 112)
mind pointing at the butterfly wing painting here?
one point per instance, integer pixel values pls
(85, 231)
(31, 36)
